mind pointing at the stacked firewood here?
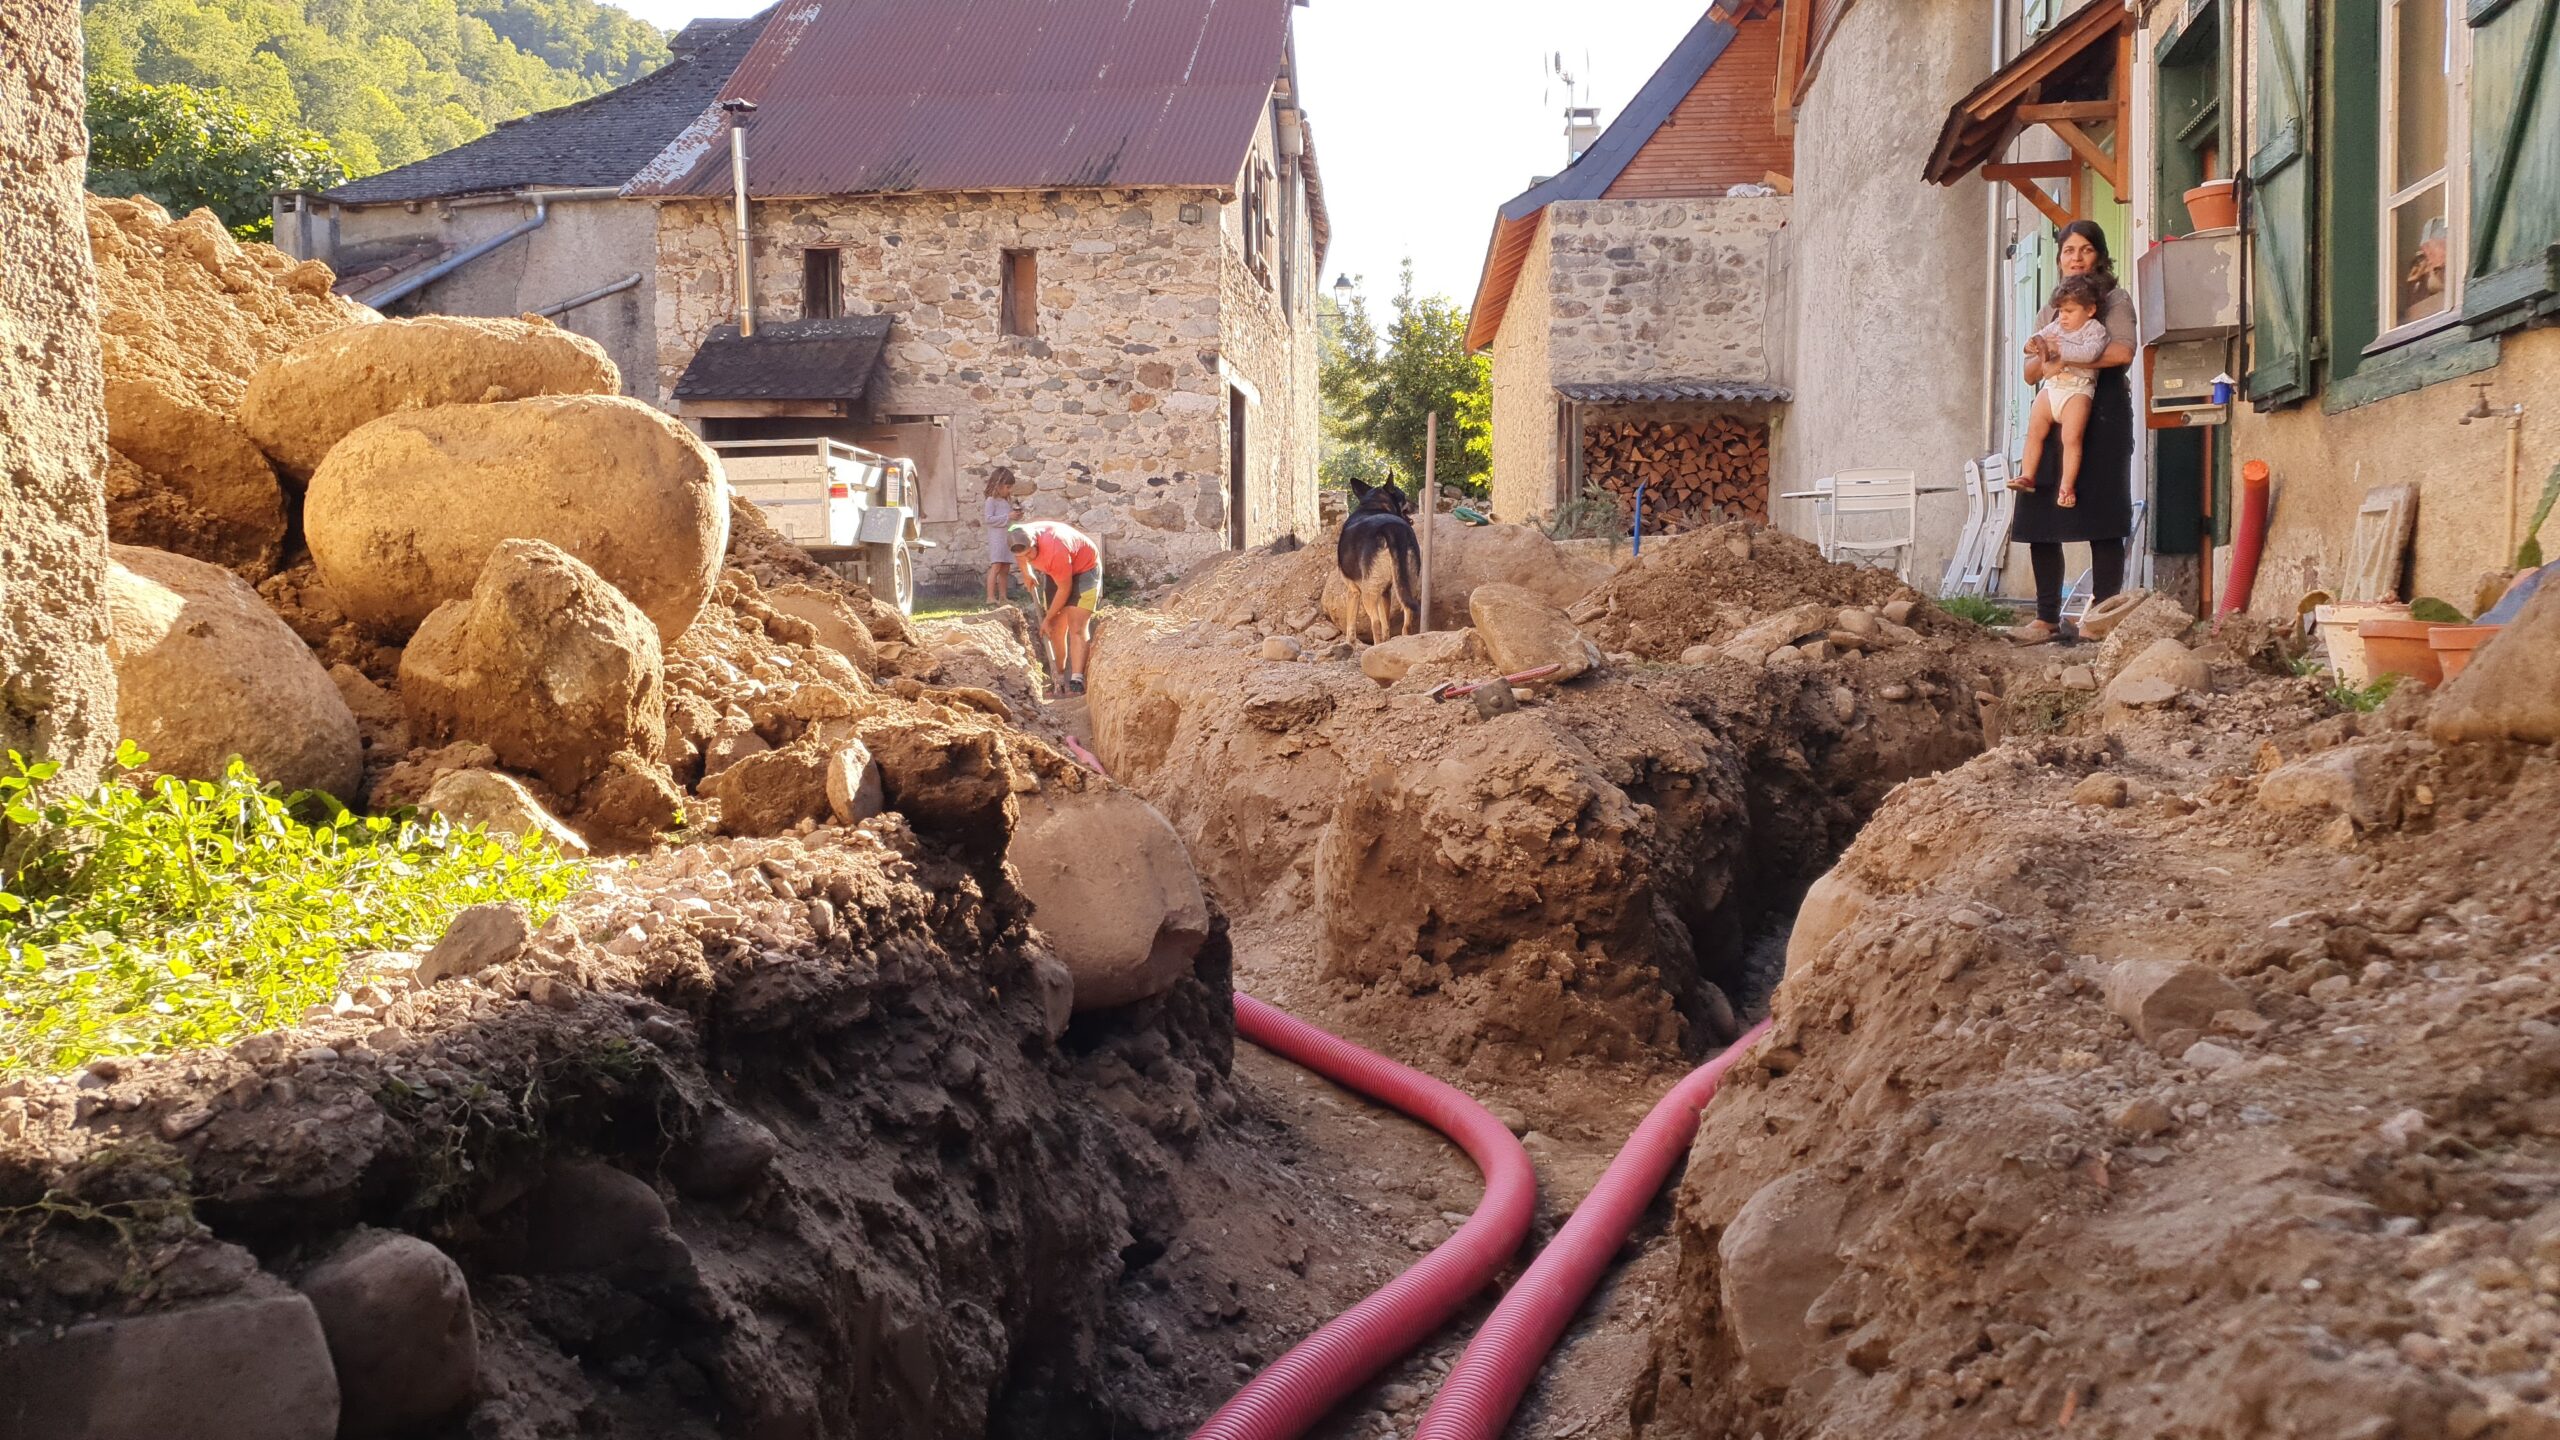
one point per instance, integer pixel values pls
(1692, 474)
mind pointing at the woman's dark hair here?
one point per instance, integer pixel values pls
(2104, 272)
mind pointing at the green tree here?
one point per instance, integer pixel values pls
(383, 81)
(1380, 391)
(186, 149)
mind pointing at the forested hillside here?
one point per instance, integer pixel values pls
(381, 82)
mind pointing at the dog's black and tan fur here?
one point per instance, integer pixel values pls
(1380, 559)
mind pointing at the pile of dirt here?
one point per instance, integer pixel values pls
(186, 315)
(1704, 587)
(2187, 1074)
(1579, 879)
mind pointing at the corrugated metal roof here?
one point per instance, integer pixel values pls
(1656, 392)
(862, 96)
(792, 360)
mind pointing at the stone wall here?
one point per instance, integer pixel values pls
(1524, 391)
(1267, 346)
(57, 694)
(1116, 410)
(1889, 276)
(1661, 289)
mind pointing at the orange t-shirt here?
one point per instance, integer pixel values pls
(1061, 552)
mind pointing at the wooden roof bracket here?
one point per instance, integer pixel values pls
(2023, 178)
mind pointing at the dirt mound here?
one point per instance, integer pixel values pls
(1989, 1171)
(907, 1204)
(185, 314)
(1704, 587)
(187, 310)
(301, 403)
(1577, 879)
(1259, 593)
(759, 550)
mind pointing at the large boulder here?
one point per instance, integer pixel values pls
(306, 400)
(1776, 1258)
(501, 805)
(771, 791)
(204, 672)
(1114, 890)
(1391, 660)
(1465, 556)
(1521, 631)
(545, 663)
(2164, 671)
(837, 623)
(397, 1314)
(405, 512)
(244, 1367)
(2511, 688)
(184, 478)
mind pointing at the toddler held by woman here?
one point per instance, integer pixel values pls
(2071, 347)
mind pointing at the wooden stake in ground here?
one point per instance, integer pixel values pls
(1430, 505)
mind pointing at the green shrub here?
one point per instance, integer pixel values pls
(2364, 699)
(1981, 610)
(135, 921)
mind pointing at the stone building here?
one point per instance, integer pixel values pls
(57, 692)
(1101, 278)
(1633, 286)
(1088, 254)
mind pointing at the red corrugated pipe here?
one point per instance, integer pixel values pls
(1486, 1384)
(1300, 1387)
(2248, 539)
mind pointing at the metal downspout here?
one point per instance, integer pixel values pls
(407, 285)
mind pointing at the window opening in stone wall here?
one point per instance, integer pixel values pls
(822, 283)
(1257, 221)
(1022, 292)
(1236, 453)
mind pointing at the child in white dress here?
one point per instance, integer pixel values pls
(1000, 514)
(2072, 345)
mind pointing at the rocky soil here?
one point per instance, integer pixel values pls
(2188, 1074)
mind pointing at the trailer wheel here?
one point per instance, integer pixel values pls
(893, 575)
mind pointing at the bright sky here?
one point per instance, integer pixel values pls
(1430, 113)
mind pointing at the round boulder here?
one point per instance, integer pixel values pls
(397, 1315)
(544, 663)
(1114, 889)
(306, 400)
(405, 512)
(1522, 632)
(205, 671)
(183, 478)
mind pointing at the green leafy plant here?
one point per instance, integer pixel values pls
(135, 920)
(1980, 609)
(2436, 612)
(2529, 554)
(2365, 698)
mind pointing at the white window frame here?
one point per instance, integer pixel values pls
(2454, 176)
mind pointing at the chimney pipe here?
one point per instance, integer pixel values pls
(1581, 132)
(738, 111)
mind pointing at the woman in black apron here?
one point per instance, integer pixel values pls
(2103, 519)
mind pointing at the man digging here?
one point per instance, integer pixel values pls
(1063, 566)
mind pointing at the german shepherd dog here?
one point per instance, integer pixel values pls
(1380, 559)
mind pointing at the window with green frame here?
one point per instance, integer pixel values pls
(2191, 148)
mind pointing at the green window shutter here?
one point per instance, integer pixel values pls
(2515, 166)
(2282, 205)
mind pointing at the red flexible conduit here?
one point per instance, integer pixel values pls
(1298, 1388)
(1486, 1384)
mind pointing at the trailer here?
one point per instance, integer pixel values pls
(852, 510)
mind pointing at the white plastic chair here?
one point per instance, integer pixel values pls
(1889, 495)
(1968, 540)
(1990, 553)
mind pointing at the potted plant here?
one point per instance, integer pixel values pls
(2212, 206)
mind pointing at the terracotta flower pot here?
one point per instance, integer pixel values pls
(2399, 647)
(2453, 644)
(2212, 206)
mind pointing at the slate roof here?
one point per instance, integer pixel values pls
(789, 360)
(604, 140)
(873, 96)
(1658, 391)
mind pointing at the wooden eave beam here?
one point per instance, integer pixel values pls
(2075, 111)
(2091, 153)
(1795, 26)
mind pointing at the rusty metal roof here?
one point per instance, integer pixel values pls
(791, 360)
(865, 96)
(1720, 392)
